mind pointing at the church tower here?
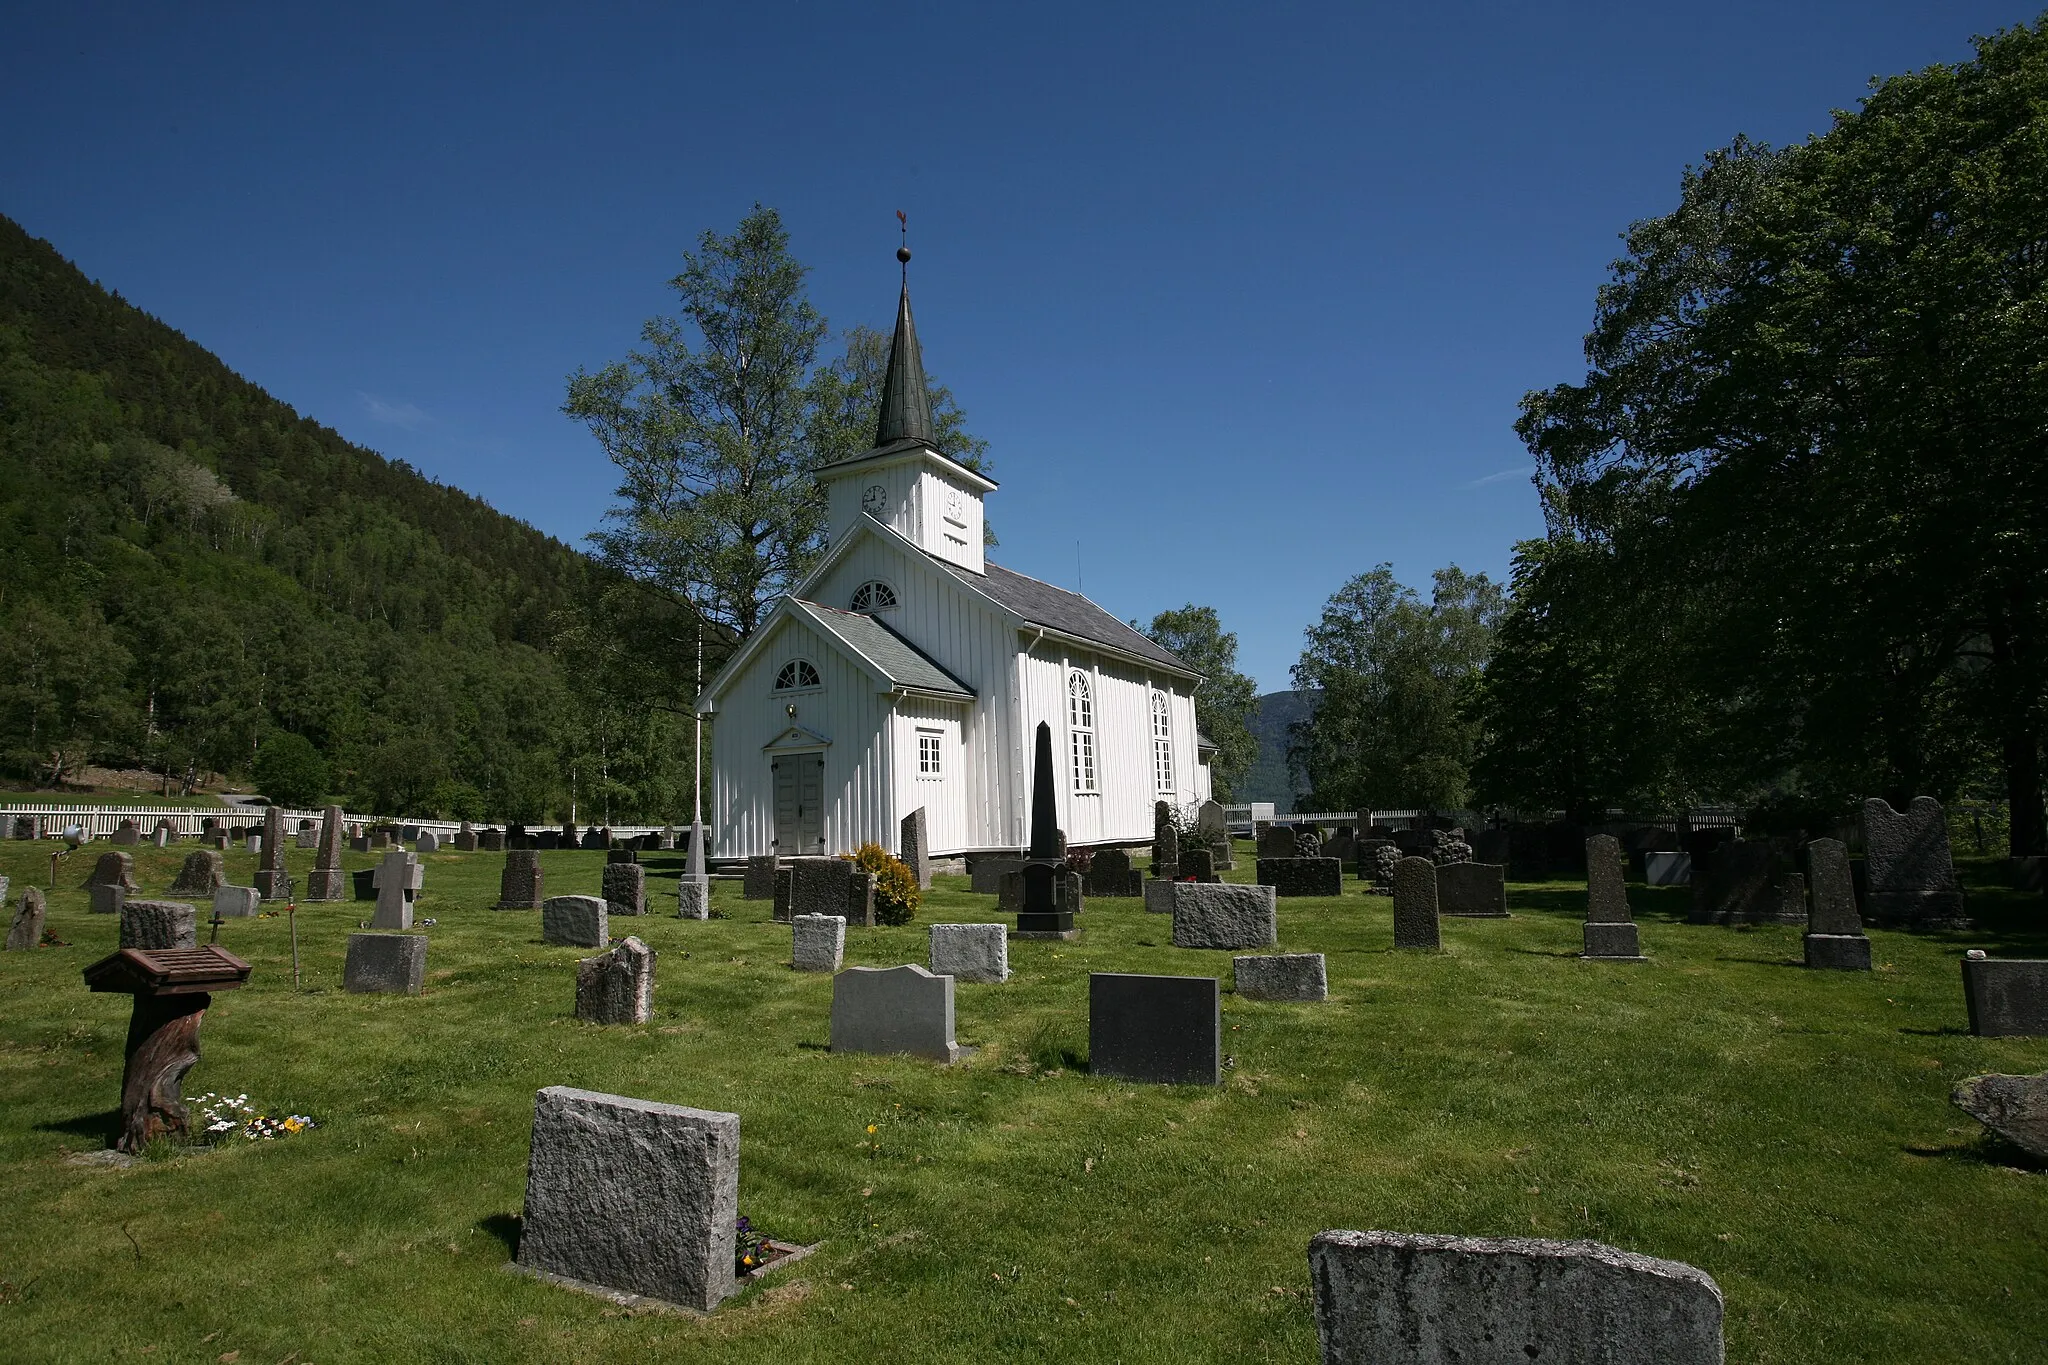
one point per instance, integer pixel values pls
(905, 481)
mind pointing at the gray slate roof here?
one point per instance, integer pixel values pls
(902, 662)
(1067, 612)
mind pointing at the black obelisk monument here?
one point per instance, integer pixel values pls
(1042, 915)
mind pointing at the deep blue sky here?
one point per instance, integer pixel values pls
(1243, 296)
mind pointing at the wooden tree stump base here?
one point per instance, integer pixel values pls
(163, 1044)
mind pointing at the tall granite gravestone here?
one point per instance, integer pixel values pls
(521, 884)
(125, 835)
(399, 878)
(1610, 929)
(327, 882)
(159, 924)
(273, 883)
(1907, 867)
(1163, 1029)
(1834, 931)
(26, 930)
(575, 921)
(1042, 915)
(1223, 915)
(817, 943)
(114, 869)
(2007, 997)
(971, 952)
(915, 839)
(1298, 977)
(894, 1009)
(1214, 834)
(1435, 1300)
(1472, 890)
(1732, 885)
(616, 987)
(385, 964)
(465, 839)
(629, 1197)
(625, 888)
(1110, 874)
(1415, 912)
(202, 874)
(759, 882)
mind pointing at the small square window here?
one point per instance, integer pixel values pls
(928, 751)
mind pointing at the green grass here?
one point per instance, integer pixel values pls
(1789, 1132)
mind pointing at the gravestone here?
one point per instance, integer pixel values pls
(1163, 1029)
(201, 874)
(1665, 868)
(971, 952)
(1610, 930)
(1067, 892)
(1300, 876)
(1166, 852)
(574, 921)
(1210, 824)
(273, 883)
(1472, 890)
(428, 842)
(759, 883)
(1282, 976)
(780, 910)
(380, 840)
(163, 835)
(520, 885)
(1343, 845)
(1110, 874)
(491, 841)
(1276, 841)
(915, 840)
(2014, 1107)
(364, 884)
(625, 888)
(1415, 912)
(327, 882)
(894, 1010)
(385, 964)
(159, 924)
(693, 897)
(1369, 869)
(399, 878)
(817, 943)
(985, 875)
(1907, 866)
(1308, 841)
(359, 843)
(114, 869)
(1432, 1299)
(1196, 863)
(1732, 885)
(237, 902)
(632, 1197)
(105, 899)
(1835, 940)
(616, 987)
(125, 835)
(621, 855)
(308, 836)
(565, 837)
(2007, 996)
(465, 839)
(26, 930)
(831, 886)
(1223, 915)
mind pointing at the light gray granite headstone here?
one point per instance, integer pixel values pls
(1282, 976)
(26, 930)
(817, 942)
(625, 888)
(385, 964)
(307, 838)
(159, 924)
(104, 898)
(2014, 1107)
(894, 1009)
(575, 921)
(915, 838)
(632, 1197)
(1223, 915)
(398, 879)
(236, 902)
(693, 897)
(971, 952)
(521, 883)
(617, 987)
(1415, 919)
(1426, 1299)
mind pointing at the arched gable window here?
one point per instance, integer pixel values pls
(796, 675)
(874, 595)
(1081, 727)
(1162, 743)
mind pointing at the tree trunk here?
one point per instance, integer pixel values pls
(163, 1044)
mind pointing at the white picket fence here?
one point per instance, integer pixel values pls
(100, 822)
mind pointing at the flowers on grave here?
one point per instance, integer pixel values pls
(896, 893)
(747, 1251)
(223, 1116)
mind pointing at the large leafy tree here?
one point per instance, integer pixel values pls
(1226, 699)
(1398, 678)
(1811, 431)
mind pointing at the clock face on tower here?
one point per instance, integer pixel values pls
(956, 506)
(874, 500)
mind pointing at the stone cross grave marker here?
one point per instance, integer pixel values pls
(399, 878)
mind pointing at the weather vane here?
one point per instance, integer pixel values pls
(903, 252)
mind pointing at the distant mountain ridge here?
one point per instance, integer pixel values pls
(1269, 779)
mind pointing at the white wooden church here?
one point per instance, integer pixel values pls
(907, 670)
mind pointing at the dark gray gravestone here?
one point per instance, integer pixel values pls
(521, 886)
(159, 924)
(27, 929)
(2007, 997)
(1166, 853)
(1429, 1299)
(385, 964)
(914, 838)
(759, 882)
(1276, 841)
(1489, 846)
(894, 1010)
(114, 869)
(491, 841)
(125, 834)
(465, 839)
(1163, 1029)
(1834, 931)
(1282, 976)
(616, 987)
(273, 883)
(1909, 871)
(106, 900)
(1610, 932)
(985, 875)
(1197, 863)
(1732, 885)
(201, 875)
(326, 882)
(1296, 876)
(1110, 874)
(625, 888)
(1472, 891)
(1415, 913)
(574, 921)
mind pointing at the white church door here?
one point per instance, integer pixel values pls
(799, 804)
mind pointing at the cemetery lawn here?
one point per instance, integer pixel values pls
(1787, 1131)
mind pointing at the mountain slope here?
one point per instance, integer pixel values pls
(1269, 779)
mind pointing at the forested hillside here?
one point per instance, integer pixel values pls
(188, 567)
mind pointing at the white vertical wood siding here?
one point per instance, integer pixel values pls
(944, 798)
(960, 544)
(916, 508)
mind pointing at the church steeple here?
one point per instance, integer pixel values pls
(906, 402)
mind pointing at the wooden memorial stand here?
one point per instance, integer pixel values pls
(172, 989)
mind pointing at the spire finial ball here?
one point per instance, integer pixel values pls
(903, 254)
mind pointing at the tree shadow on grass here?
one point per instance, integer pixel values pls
(1545, 952)
(505, 1228)
(104, 1126)
(1947, 1031)
(809, 1046)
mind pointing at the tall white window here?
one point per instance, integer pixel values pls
(928, 753)
(1162, 744)
(1081, 725)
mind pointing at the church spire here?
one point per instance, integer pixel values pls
(906, 403)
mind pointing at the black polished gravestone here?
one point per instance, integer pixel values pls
(1043, 916)
(365, 884)
(1164, 1029)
